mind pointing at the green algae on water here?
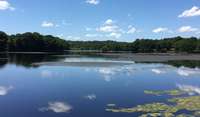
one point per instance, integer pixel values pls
(188, 103)
(147, 108)
(191, 104)
(174, 92)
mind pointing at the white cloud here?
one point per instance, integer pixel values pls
(194, 11)
(161, 29)
(114, 30)
(73, 38)
(109, 22)
(93, 35)
(132, 30)
(188, 71)
(108, 28)
(91, 97)
(187, 29)
(57, 107)
(4, 90)
(115, 35)
(47, 24)
(93, 2)
(5, 5)
(60, 35)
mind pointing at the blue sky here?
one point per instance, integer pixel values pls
(121, 20)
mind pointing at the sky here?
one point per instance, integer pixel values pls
(119, 20)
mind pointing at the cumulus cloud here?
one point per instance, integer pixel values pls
(93, 35)
(60, 35)
(75, 38)
(91, 97)
(109, 26)
(131, 30)
(57, 107)
(188, 71)
(194, 11)
(5, 5)
(93, 2)
(161, 29)
(115, 35)
(47, 24)
(109, 22)
(4, 90)
(187, 29)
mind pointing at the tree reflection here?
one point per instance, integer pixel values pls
(26, 60)
(187, 63)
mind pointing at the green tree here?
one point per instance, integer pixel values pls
(186, 45)
(3, 41)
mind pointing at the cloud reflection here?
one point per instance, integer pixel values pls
(52, 74)
(189, 88)
(57, 107)
(4, 90)
(109, 73)
(46, 74)
(158, 71)
(183, 71)
(91, 97)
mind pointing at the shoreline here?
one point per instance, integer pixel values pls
(137, 57)
(154, 57)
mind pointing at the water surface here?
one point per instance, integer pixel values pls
(82, 86)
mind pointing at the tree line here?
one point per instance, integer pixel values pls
(104, 46)
(31, 42)
(175, 44)
(35, 42)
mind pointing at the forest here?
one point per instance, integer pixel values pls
(175, 45)
(31, 42)
(35, 42)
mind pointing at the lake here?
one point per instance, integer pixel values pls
(39, 85)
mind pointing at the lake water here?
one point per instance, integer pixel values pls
(82, 86)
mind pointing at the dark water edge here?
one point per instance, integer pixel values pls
(35, 59)
(154, 57)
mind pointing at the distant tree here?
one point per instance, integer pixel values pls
(186, 45)
(35, 42)
(198, 46)
(163, 46)
(3, 41)
(143, 45)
